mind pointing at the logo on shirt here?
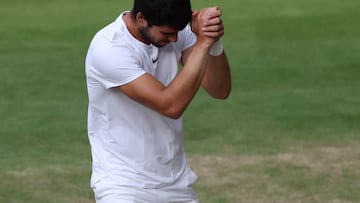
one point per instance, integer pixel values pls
(154, 60)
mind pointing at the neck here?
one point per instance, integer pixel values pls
(132, 26)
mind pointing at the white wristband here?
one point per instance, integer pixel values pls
(217, 48)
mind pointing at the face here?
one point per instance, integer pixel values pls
(159, 36)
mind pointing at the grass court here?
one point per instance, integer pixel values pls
(289, 133)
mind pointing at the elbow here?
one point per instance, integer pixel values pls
(173, 114)
(222, 92)
(170, 107)
(222, 96)
(173, 111)
(227, 92)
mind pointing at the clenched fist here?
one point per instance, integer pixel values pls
(207, 24)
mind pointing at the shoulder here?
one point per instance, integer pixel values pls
(186, 32)
(186, 38)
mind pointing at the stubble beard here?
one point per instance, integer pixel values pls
(145, 34)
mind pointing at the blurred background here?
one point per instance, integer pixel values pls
(289, 132)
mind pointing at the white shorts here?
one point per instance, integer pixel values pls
(107, 191)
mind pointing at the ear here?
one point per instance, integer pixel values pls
(140, 19)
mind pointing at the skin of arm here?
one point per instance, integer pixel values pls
(172, 100)
(217, 78)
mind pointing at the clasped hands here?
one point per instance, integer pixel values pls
(207, 25)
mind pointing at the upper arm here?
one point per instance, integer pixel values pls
(150, 92)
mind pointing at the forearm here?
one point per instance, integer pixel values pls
(217, 79)
(183, 88)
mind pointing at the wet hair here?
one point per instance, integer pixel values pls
(173, 13)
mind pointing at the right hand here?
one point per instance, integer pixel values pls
(207, 25)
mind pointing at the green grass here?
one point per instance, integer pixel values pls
(289, 132)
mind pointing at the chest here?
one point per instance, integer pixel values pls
(162, 63)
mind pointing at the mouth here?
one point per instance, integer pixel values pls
(165, 42)
(162, 43)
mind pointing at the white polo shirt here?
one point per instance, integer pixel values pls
(131, 143)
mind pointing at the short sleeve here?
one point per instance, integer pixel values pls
(113, 65)
(186, 38)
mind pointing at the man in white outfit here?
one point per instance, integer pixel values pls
(137, 96)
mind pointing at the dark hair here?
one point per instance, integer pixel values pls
(173, 13)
